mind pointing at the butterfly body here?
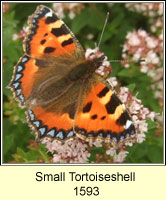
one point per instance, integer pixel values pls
(59, 87)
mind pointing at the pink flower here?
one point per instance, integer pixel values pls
(148, 9)
(133, 40)
(120, 157)
(151, 115)
(90, 36)
(6, 7)
(141, 137)
(143, 126)
(59, 9)
(56, 158)
(152, 58)
(144, 112)
(105, 68)
(96, 143)
(21, 35)
(142, 33)
(71, 8)
(15, 36)
(144, 69)
(123, 94)
(90, 54)
(141, 45)
(151, 42)
(150, 49)
(111, 152)
(74, 151)
(112, 81)
(135, 107)
(129, 143)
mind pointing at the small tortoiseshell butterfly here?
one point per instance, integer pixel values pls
(59, 87)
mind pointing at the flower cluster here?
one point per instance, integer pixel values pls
(118, 157)
(140, 45)
(72, 151)
(71, 8)
(6, 7)
(22, 33)
(157, 27)
(152, 10)
(147, 9)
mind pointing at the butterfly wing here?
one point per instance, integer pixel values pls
(50, 48)
(48, 35)
(50, 125)
(23, 78)
(103, 117)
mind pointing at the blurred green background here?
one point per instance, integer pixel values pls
(18, 142)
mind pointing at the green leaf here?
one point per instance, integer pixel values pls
(14, 136)
(155, 154)
(137, 154)
(12, 50)
(116, 22)
(79, 22)
(94, 151)
(86, 17)
(151, 124)
(131, 87)
(130, 72)
(32, 155)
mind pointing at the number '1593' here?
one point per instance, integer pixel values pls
(82, 191)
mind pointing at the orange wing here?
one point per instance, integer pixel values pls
(23, 78)
(45, 124)
(48, 38)
(103, 117)
(47, 42)
(50, 125)
(48, 35)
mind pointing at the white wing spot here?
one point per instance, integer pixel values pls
(128, 123)
(49, 14)
(123, 106)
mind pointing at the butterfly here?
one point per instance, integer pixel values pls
(64, 96)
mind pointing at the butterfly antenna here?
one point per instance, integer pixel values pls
(105, 23)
